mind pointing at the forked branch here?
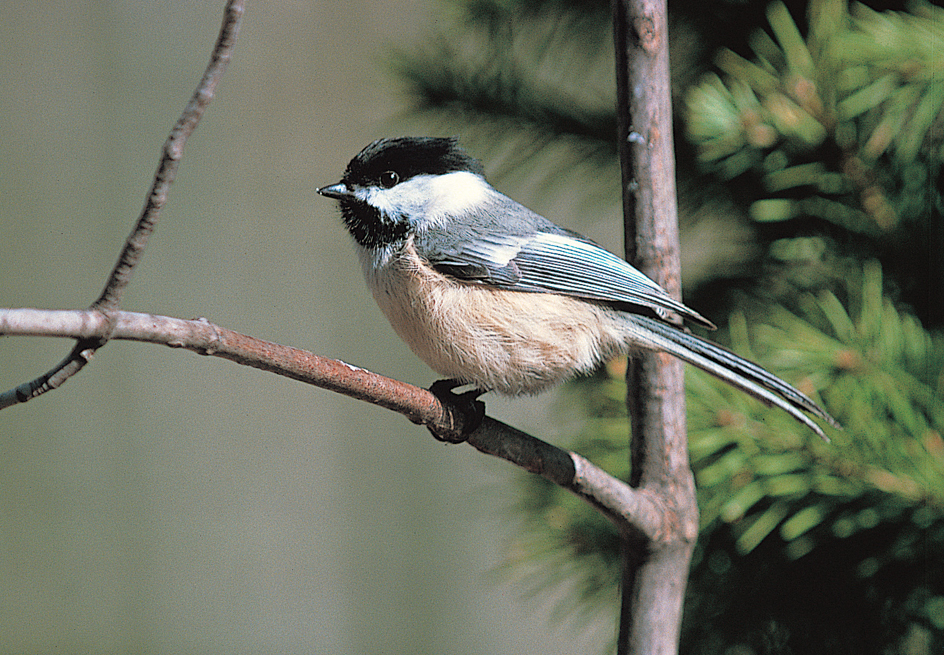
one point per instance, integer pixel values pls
(133, 250)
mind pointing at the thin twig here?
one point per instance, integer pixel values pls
(133, 250)
(632, 510)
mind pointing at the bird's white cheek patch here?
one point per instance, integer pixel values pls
(429, 199)
(457, 192)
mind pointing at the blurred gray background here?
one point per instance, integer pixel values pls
(161, 502)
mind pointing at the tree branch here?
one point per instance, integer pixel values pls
(133, 250)
(634, 511)
(655, 573)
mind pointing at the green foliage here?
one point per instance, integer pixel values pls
(838, 134)
(844, 125)
(866, 510)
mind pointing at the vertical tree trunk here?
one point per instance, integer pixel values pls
(655, 572)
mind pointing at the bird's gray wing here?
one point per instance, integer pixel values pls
(550, 260)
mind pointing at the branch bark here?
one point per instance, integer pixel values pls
(632, 510)
(655, 572)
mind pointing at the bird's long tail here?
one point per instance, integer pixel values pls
(724, 364)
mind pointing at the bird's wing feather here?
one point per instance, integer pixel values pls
(552, 260)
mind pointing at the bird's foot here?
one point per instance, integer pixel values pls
(472, 408)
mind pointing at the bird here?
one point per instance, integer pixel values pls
(494, 296)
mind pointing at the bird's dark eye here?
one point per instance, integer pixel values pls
(389, 179)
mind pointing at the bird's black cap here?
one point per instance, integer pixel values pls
(409, 156)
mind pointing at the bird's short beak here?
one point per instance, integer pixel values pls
(337, 191)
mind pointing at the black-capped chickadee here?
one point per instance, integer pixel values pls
(491, 294)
